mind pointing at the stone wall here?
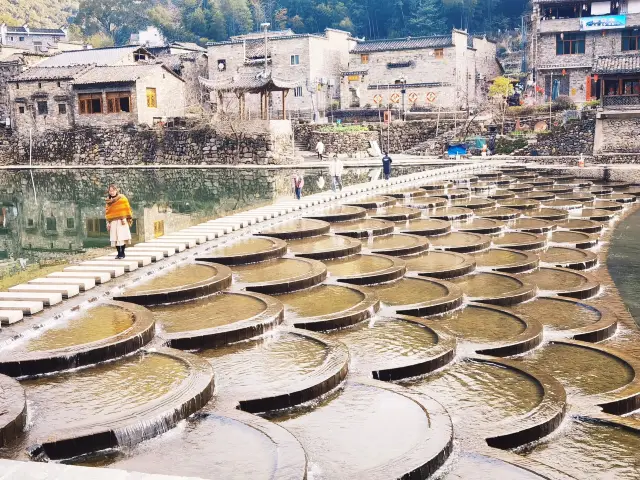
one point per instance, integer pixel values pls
(573, 138)
(141, 145)
(343, 142)
(620, 134)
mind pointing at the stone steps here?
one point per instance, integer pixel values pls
(128, 265)
(113, 270)
(9, 317)
(48, 299)
(30, 307)
(141, 260)
(97, 277)
(67, 291)
(164, 246)
(83, 284)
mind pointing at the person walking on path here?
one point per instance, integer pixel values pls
(119, 219)
(335, 172)
(298, 183)
(320, 149)
(386, 166)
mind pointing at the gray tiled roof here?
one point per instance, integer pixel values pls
(189, 46)
(118, 74)
(95, 56)
(617, 64)
(49, 31)
(49, 73)
(250, 83)
(409, 43)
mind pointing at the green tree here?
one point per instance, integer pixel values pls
(501, 87)
(428, 18)
(115, 18)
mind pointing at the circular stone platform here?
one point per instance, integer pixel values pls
(540, 196)
(96, 334)
(499, 213)
(480, 225)
(557, 189)
(217, 320)
(482, 187)
(520, 203)
(563, 282)
(580, 225)
(473, 203)
(369, 203)
(600, 190)
(367, 227)
(542, 182)
(454, 193)
(441, 264)
(573, 258)
(339, 213)
(551, 214)
(520, 241)
(532, 225)
(577, 197)
(324, 247)
(501, 195)
(396, 213)
(520, 187)
(492, 330)
(490, 175)
(247, 250)
(407, 193)
(463, 242)
(13, 405)
(622, 197)
(464, 180)
(562, 204)
(567, 238)
(449, 213)
(496, 288)
(504, 260)
(300, 228)
(396, 244)
(179, 284)
(576, 320)
(426, 226)
(614, 185)
(596, 214)
(328, 307)
(419, 296)
(426, 202)
(610, 206)
(280, 276)
(436, 186)
(364, 269)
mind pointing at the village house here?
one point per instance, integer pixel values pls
(30, 38)
(307, 65)
(443, 71)
(587, 50)
(101, 87)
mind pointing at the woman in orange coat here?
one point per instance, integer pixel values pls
(119, 219)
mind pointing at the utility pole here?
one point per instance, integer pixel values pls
(403, 81)
(265, 26)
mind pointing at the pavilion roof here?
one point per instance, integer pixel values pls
(250, 84)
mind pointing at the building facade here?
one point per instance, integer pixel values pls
(587, 50)
(28, 38)
(314, 61)
(444, 71)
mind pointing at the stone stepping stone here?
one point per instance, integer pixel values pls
(156, 255)
(9, 317)
(186, 236)
(67, 291)
(83, 284)
(97, 277)
(141, 260)
(188, 242)
(166, 248)
(114, 271)
(48, 299)
(128, 265)
(166, 251)
(27, 307)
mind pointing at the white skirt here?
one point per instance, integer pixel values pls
(119, 234)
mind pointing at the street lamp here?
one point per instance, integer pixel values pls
(403, 81)
(265, 26)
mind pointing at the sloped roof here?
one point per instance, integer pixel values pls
(47, 31)
(93, 56)
(250, 83)
(617, 64)
(409, 43)
(119, 74)
(189, 46)
(49, 73)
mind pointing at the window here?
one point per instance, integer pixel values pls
(21, 39)
(439, 53)
(30, 223)
(295, 59)
(222, 65)
(59, 84)
(50, 224)
(17, 86)
(139, 56)
(118, 102)
(631, 87)
(90, 103)
(297, 92)
(152, 100)
(71, 223)
(21, 109)
(11, 38)
(62, 108)
(43, 108)
(39, 84)
(158, 228)
(570, 43)
(364, 59)
(630, 40)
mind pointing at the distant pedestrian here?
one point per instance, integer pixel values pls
(335, 172)
(298, 184)
(386, 166)
(320, 149)
(119, 219)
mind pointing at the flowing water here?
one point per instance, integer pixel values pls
(409, 291)
(559, 314)
(175, 278)
(242, 247)
(361, 226)
(436, 262)
(549, 279)
(482, 325)
(270, 271)
(209, 312)
(479, 467)
(483, 285)
(293, 226)
(319, 301)
(322, 243)
(357, 265)
(499, 258)
(392, 242)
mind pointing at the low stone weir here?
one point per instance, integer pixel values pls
(364, 269)
(13, 405)
(439, 264)
(282, 275)
(324, 247)
(294, 229)
(496, 288)
(506, 260)
(563, 282)
(249, 250)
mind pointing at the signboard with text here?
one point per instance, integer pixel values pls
(605, 22)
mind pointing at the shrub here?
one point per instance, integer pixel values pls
(506, 146)
(563, 103)
(523, 111)
(592, 104)
(343, 128)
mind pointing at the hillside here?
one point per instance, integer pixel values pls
(39, 13)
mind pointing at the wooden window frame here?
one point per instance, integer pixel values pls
(42, 111)
(632, 36)
(85, 103)
(114, 104)
(438, 53)
(364, 58)
(571, 44)
(152, 100)
(62, 109)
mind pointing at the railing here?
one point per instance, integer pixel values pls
(621, 101)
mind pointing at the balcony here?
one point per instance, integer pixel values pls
(573, 24)
(621, 102)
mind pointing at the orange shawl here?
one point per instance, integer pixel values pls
(118, 208)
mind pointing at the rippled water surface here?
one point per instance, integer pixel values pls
(486, 285)
(558, 314)
(320, 300)
(270, 271)
(481, 324)
(357, 265)
(241, 247)
(176, 278)
(409, 291)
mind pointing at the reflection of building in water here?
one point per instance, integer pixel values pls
(66, 227)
